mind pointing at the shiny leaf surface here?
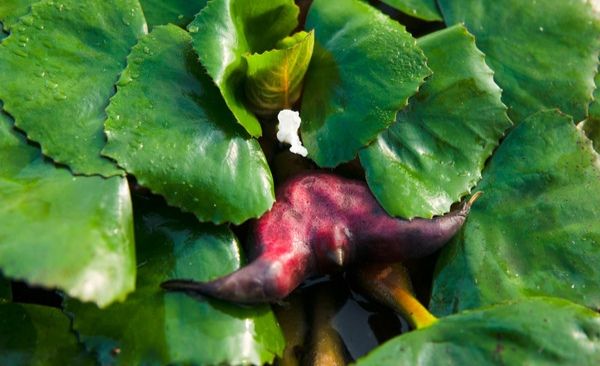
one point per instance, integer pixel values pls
(274, 78)
(74, 233)
(178, 12)
(12, 10)
(57, 71)
(154, 327)
(540, 331)
(434, 154)
(535, 229)
(592, 125)
(226, 30)
(364, 68)
(34, 335)
(422, 9)
(544, 53)
(169, 127)
(594, 110)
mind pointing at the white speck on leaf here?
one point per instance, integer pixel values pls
(287, 131)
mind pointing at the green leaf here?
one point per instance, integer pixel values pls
(422, 9)
(57, 71)
(364, 69)
(74, 233)
(592, 125)
(539, 331)
(274, 78)
(594, 110)
(544, 53)
(226, 30)
(435, 152)
(5, 290)
(12, 10)
(535, 229)
(154, 327)
(178, 12)
(169, 127)
(34, 335)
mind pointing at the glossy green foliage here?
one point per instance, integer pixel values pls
(592, 125)
(33, 335)
(350, 98)
(169, 127)
(74, 233)
(544, 53)
(5, 290)
(154, 327)
(274, 78)
(422, 9)
(594, 110)
(57, 71)
(435, 152)
(178, 12)
(12, 10)
(535, 229)
(226, 30)
(538, 331)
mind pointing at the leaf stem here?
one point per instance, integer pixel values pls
(391, 285)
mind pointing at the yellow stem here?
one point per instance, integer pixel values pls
(391, 285)
(474, 198)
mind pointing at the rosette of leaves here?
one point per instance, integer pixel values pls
(97, 91)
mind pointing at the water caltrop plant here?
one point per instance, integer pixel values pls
(139, 148)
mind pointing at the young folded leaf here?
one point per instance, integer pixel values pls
(274, 79)
(226, 30)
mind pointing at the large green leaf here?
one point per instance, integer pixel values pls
(74, 233)
(435, 152)
(422, 9)
(169, 127)
(544, 53)
(226, 30)
(178, 12)
(12, 10)
(5, 290)
(154, 327)
(34, 335)
(540, 331)
(364, 69)
(57, 71)
(535, 230)
(274, 78)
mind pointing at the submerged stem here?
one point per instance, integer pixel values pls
(391, 285)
